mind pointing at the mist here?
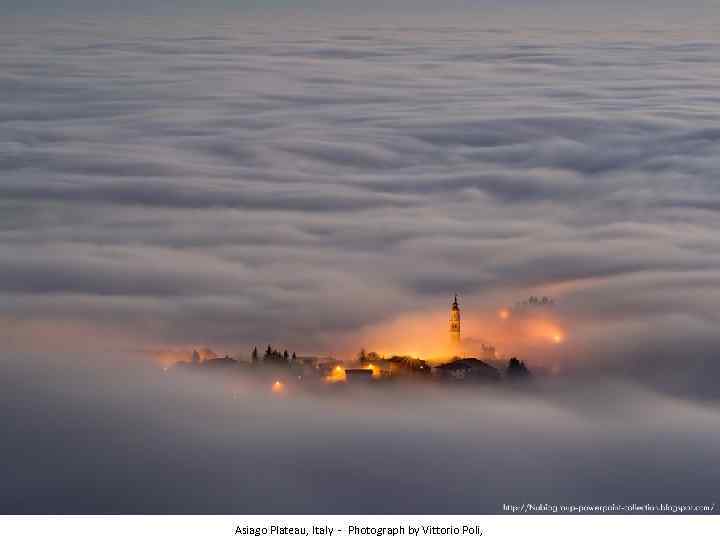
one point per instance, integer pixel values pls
(323, 180)
(310, 179)
(85, 437)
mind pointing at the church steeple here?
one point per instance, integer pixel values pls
(455, 321)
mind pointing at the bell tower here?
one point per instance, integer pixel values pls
(455, 322)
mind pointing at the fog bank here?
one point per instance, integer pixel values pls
(135, 440)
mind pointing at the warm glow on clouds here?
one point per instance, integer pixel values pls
(426, 336)
(545, 330)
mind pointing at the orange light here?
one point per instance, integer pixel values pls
(336, 375)
(278, 387)
(558, 338)
(504, 314)
(376, 370)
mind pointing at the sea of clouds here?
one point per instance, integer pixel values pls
(178, 181)
(81, 438)
(287, 178)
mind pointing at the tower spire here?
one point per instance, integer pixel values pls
(455, 321)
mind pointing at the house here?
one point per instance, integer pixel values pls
(471, 369)
(358, 375)
(327, 367)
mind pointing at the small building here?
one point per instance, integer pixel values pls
(408, 366)
(358, 375)
(380, 367)
(468, 369)
(453, 370)
(326, 367)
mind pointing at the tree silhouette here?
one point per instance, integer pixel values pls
(517, 369)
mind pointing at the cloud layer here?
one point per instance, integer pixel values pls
(252, 179)
(134, 440)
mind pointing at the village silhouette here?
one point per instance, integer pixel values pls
(283, 369)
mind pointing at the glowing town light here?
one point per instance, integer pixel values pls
(558, 338)
(336, 375)
(376, 370)
(278, 387)
(504, 314)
